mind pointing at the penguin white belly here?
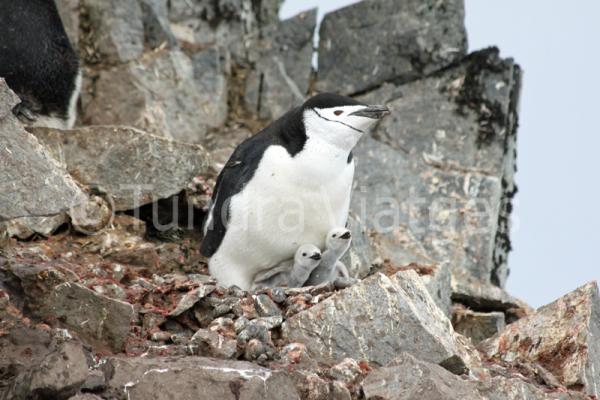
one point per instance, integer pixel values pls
(287, 203)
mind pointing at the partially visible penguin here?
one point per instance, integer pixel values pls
(38, 63)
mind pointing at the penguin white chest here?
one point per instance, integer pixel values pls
(290, 201)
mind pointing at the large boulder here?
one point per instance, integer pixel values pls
(32, 183)
(462, 121)
(561, 336)
(376, 319)
(374, 41)
(282, 74)
(133, 167)
(160, 93)
(195, 378)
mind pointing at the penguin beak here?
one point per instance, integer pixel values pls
(316, 256)
(346, 235)
(374, 112)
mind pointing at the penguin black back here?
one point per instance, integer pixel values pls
(36, 58)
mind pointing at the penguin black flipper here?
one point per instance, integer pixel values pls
(288, 131)
(37, 60)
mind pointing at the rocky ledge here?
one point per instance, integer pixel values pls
(103, 291)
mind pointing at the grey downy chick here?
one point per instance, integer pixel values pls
(337, 243)
(290, 273)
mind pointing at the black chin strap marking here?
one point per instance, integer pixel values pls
(339, 122)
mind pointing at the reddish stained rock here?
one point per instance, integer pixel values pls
(563, 337)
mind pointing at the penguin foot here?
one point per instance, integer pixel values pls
(24, 113)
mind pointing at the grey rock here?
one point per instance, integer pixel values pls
(425, 215)
(438, 283)
(211, 68)
(69, 15)
(464, 120)
(553, 337)
(477, 326)
(149, 167)
(374, 41)
(32, 183)
(158, 93)
(361, 257)
(39, 363)
(157, 31)
(57, 372)
(484, 296)
(100, 320)
(281, 77)
(407, 378)
(117, 29)
(85, 396)
(230, 24)
(374, 320)
(195, 377)
(26, 227)
(191, 298)
(92, 216)
(265, 307)
(214, 344)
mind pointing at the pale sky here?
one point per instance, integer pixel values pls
(557, 210)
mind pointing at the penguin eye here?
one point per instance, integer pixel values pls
(334, 235)
(338, 112)
(303, 254)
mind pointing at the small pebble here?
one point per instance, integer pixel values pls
(265, 307)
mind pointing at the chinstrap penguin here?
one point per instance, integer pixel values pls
(287, 185)
(330, 268)
(38, 63)
(290, 273)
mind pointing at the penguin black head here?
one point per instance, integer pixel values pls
(338, 119)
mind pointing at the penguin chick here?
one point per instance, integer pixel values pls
(38, 63)
(337, 243)
(290, 273)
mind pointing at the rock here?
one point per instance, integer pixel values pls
(265, 307)
(213, 344)
(407, 378)
(346, 371)
(157, 31)
(85, 396)
(26, 227)
(281, 77)
(157, 93)
(166, 378)
(26, 168)
(116, 29)
(464, 120)
(486, 297)
(554, 337)
(424, 215)
(374, 320)
(366, 44)
(229, 24)
(38, 362)
(211, 69)
(60, 371)
(191, 298)
(69, 15)
(149, 167)
(362, 255)
(91, 216)
(475, 325)
(437, 279)
(102, 321)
